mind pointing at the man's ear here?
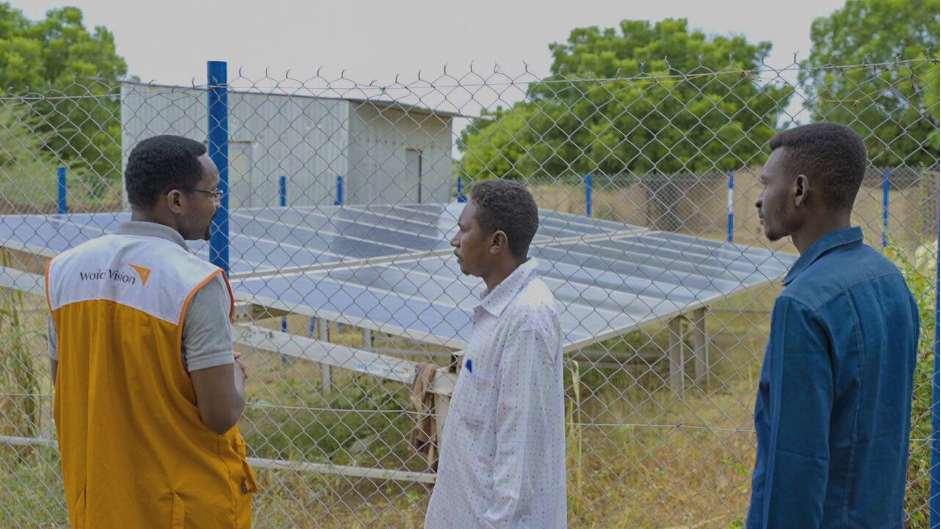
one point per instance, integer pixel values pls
(801, 190)
(498, 242)
(175, 201)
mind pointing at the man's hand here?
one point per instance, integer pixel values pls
(242, 366)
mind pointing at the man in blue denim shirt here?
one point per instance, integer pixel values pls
(833, 411)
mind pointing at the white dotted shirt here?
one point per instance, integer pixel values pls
(502, 459)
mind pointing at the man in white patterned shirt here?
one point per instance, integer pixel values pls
(502, 459)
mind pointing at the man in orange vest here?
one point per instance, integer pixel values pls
(147, 387)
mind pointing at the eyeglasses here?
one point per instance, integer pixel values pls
(215, 194)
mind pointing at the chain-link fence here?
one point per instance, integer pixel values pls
(341, 200)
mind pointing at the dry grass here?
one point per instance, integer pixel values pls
(635, 474)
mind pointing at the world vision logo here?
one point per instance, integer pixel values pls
(144, 273)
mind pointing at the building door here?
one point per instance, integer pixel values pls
(411, 185)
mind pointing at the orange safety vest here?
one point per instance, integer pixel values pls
(135, 452)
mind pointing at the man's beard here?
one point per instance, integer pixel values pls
(773, 237)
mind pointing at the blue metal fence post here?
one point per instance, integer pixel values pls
(731, 206)
(935, 470)
(283, 202)
(885, 209)
(460, 190)
(588, 194)
(284, 328)
(63, 192)
(339, 202)
(219, 152)
(312, 327)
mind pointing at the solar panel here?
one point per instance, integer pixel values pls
(390, 268)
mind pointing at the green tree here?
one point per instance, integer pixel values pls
(893, 107)
(27, 169)
(77, 72)
(639, 98)
(499, 146)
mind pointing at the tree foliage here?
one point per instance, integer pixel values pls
(640, 98)
(76, 70)
(24, 161)
(893, 107)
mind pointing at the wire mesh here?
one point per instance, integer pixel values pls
(332, 186)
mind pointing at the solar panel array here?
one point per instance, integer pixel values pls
(390, 268)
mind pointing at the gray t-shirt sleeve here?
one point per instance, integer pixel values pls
(52, 339)
(207, 337)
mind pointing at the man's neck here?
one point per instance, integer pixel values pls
(812, 232)
(146, 216)
(499, 273)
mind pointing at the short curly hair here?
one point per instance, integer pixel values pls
(161, 163)
(503, 205)
(830, 155)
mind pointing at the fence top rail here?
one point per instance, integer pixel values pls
(242, 83)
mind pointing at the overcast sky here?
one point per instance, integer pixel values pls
(169, 41)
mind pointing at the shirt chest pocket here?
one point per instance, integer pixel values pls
(476, 400)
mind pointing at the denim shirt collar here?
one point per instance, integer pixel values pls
(821, 247)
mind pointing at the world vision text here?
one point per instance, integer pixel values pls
(111, 275)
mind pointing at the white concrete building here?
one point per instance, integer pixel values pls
(386, 152)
